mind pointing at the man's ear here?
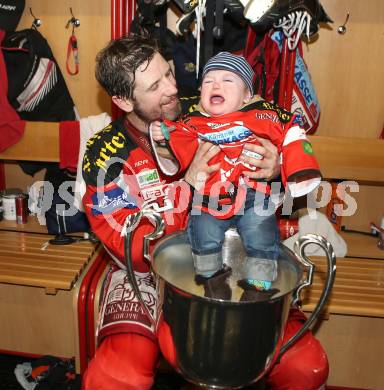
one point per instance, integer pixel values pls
(124, 104)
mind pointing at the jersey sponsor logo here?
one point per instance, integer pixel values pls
(121, 307)
(298, 120)
(154, 192)
(110, 149)
(111, 200)
(233, 134)
(283, 115)
(267, 116)
(157, 197)
(217, 125)
(304, 83)
(307, 147)
(148, 177)
(140, 163)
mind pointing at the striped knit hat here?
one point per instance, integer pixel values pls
(232, 63)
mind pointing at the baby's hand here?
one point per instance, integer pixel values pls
(156, 132)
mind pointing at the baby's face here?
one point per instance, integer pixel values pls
(223, 92)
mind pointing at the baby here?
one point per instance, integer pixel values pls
(229, 116)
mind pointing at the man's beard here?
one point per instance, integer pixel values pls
(148, 116)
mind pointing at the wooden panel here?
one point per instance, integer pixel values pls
(92, 35)
(16, 178)
(36, 322)
(347, 69)
(370, 208)
(360, 245)
(353, 346)
(350, 158)
(40, 142)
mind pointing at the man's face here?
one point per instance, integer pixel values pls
(155, 93)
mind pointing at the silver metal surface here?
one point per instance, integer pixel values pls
(225, 344)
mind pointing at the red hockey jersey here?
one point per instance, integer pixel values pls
(231, 132)
(120, 176)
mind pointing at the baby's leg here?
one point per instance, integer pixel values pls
(260, 236)
(206, 236)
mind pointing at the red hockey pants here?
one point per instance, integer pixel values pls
(128, 361)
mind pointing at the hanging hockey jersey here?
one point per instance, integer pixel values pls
(299, 169)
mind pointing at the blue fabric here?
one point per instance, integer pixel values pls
(259, 233)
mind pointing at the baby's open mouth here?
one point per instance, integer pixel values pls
(217, 99)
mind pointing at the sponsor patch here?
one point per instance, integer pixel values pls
(217, 125)
(283, 115)
(267, 116)
(298, 120)
(307, 147)
(154, 192)
(140, 163)
(109, 201)
(121, 309)
(148, 177)
(233, 134)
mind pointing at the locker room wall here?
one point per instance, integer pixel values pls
(346, 71)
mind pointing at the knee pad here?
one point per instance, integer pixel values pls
(167, 346)
(304, 366)
(125, 361)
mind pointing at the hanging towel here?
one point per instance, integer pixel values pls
(317, 223)
(88, 127)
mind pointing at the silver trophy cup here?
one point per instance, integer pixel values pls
(224, 344)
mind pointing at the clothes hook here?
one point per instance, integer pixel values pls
(74, 21)
(36, 21)
(342, 29)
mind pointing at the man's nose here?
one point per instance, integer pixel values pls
(170, 87)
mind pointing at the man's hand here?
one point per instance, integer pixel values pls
(269, 166)
(199, 170)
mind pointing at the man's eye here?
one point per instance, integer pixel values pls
(169, 73)
(154, 87)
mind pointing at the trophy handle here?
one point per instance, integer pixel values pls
(131, 223)
(299, 247)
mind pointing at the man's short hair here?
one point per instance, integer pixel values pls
(117, 63)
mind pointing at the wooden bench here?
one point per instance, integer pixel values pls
(39, 290)
(45, 290)
(355, 309)
(359, 285)
(352, 327)
(28, 259)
